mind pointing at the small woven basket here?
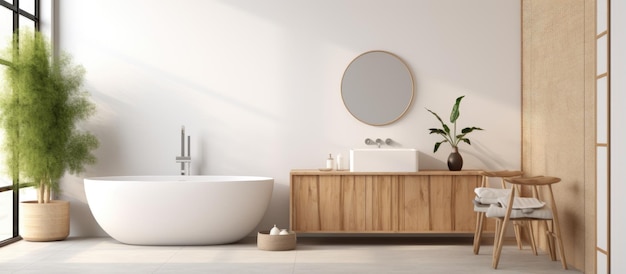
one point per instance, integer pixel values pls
(268, 242)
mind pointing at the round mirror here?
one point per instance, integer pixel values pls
(377, 88)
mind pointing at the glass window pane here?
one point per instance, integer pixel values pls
(601, 55)
(6, 215)
(6, 27)
(26, 23)
(602, 195)
(28, 194)
(28, 6)
(602, 113)
(602, 16)
(602, 260)
(5, 180)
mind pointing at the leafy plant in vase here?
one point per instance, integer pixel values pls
(40, 104)
(455, 161)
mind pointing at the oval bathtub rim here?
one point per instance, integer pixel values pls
(179, 178)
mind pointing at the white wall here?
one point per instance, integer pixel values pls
(256, 83)
(618, 133)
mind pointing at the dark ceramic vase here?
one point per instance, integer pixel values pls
(455, 161)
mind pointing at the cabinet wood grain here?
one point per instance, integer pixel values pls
(364, 202)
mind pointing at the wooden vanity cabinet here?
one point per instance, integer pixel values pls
(360, 202)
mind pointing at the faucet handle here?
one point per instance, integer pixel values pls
(379, 142)
(183, 159)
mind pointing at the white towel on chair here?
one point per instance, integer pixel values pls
(541, 213)
(487, 201)
(487, 195)
(522, 202)
(488, 192)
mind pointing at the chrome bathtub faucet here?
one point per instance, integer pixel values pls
(185, 161)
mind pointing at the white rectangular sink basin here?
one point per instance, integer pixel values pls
(383, 160)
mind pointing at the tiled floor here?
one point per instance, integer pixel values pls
(313, 255)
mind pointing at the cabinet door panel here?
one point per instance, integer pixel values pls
(382, 209)
(464, 216)
(353, 203)
(414, 204)
(330, 203)
(440, 203)
(305, 201)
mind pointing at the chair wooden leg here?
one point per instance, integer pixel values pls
(518, 234)
(497, 248)
(496, 234)
(480, 217)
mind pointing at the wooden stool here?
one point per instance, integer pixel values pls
(543, 215)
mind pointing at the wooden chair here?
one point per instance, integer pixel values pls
(546, 214)
(482, 209)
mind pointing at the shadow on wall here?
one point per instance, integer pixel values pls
(277, 212)
(86, 224)
(427, 161)
(489, 158)
(82, 222)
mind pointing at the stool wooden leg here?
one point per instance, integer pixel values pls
(561, 250)
(531, 237)
(480, 217)
(550, 240)
(557, 229)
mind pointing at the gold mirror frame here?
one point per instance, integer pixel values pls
(377, 88)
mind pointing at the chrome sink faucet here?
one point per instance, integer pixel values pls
(379, 142)
(185, 161)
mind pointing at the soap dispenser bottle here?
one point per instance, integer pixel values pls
(330, 163)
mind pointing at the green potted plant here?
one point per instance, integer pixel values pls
(455, 161)
(40, 105)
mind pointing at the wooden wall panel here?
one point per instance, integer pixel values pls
(557, 79)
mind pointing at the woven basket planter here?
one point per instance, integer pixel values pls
(45, 222)
(268, 242)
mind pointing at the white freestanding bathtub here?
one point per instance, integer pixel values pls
(178, 210)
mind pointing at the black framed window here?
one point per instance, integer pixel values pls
(14, 14)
